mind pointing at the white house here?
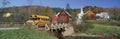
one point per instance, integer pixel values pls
(103, 15)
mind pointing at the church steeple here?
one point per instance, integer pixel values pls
(81, 11)
(80, 14)
(68, 9)
(67, 6)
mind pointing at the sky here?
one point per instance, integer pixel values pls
(62, 3)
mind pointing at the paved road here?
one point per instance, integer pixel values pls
(8, 28)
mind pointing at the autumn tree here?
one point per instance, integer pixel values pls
(4, 3)
(95, 9)
(48, 11)
(115, 13)
(57, 9)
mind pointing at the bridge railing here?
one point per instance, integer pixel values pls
(57, 26)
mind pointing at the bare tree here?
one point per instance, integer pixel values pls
(4, 3)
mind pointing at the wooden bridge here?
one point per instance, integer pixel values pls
(57, 26)
(60, 30)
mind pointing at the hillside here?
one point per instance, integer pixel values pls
(21, 13)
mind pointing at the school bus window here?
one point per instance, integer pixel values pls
(33, 18)
(38, 18)
(44, 19)
(41, 18)
(47, 19)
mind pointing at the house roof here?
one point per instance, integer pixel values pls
(64, 11)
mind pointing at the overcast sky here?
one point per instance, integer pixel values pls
(62, 3)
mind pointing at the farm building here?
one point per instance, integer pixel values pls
(63, 17)
(91, 15)
(54, 18)
(103, 15)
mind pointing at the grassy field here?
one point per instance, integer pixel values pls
(105, 29)
(12, 25)
(25, 33)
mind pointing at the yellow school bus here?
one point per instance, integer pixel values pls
(38, 20)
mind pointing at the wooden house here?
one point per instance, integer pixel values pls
(54, 18)
(103, 15)
(63, 17)
(91, 15)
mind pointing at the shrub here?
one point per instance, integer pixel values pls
(84, 26)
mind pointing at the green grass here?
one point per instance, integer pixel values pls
(24, 33)
(106, 22)
(104, 30)
(11, 25)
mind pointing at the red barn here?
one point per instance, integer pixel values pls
(91, 15)
(63, 17)
(54, 18)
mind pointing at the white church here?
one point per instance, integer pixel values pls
(79, 16)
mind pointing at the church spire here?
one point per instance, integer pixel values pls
(68, 9)
(81, 11)
(67, 6)
(80, 14)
